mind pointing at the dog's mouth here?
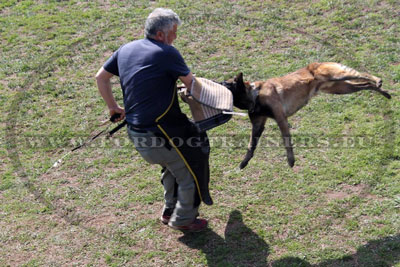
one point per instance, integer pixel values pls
(243, 97)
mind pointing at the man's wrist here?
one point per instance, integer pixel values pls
(113, 107)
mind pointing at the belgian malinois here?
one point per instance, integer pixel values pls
(281, 97)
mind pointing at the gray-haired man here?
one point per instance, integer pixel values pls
(148, 70)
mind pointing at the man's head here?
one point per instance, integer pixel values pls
(161, 25)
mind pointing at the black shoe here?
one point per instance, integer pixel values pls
(166, 215)
(196, 226)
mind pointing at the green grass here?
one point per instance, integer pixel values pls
(339, 205)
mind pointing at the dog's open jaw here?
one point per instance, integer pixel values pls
(291, 92)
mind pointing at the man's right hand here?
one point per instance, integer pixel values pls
(115, 111)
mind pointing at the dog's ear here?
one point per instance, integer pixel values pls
(239, 77)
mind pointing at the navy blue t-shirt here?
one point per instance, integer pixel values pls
(148, 71)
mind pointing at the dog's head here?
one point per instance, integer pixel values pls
(242, 93)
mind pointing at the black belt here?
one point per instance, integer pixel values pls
(136, 129)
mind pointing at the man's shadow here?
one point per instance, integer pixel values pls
(243, 247)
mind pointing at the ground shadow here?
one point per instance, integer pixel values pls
(243, 247)
(376, 253)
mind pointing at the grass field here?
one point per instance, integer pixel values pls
(339, 205)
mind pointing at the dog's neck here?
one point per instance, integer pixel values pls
(254, 93)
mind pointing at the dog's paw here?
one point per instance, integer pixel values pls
(385, 94)
(291, 162)
(243, 164)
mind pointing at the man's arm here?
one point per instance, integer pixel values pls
(103, 78)
(187, 80)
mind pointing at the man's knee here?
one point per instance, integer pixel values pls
(183, 177)
(140, 142)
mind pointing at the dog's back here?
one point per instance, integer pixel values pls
(294, 90)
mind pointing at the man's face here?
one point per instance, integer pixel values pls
(171, 36)
(167, 38)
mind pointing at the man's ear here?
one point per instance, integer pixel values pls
(160, 36)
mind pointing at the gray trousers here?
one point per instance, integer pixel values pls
(152, 149)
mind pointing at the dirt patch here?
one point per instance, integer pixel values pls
(336, 195)
(346, 191)
(101, 220)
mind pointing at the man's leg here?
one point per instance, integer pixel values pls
(170, 195)
(185, 212)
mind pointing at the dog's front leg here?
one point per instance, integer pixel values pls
(258, 123)
(283, 124)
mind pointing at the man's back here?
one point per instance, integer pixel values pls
(148, 72)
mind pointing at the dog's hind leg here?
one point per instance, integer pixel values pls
(358, 85)
(348, 87)
(258, 123)
(331, 71)
(335, 78)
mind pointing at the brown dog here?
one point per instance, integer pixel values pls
(281, 97)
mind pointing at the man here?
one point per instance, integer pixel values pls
(148, 70)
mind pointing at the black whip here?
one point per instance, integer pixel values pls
(110, 134)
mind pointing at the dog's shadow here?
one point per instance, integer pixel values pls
(243, 247)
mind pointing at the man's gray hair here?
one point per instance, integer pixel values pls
(161, 19)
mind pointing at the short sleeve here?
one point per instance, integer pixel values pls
(111, 64)
(175, 64)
